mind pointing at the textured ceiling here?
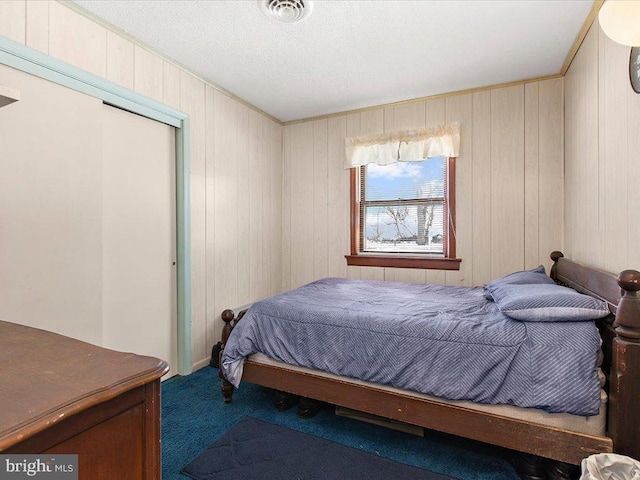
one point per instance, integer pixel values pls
(353, 54)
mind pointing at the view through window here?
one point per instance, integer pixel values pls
(403, 207)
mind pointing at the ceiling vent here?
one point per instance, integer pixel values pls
(286, 11)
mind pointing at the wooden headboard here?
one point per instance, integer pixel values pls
(588, 280)
(620, 333)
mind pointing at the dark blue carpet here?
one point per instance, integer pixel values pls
(255, 450)
(194, 416)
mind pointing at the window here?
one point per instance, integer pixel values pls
(402, 215)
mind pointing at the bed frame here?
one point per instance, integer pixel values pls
(620, 333)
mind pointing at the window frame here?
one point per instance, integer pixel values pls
(406, 260)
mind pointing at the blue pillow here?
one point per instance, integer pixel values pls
(547, 303)
(527, 277)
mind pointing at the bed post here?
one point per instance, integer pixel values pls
(624, 393)
(227, 387)
(555, 256)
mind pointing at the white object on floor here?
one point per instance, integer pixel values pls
(610, 466)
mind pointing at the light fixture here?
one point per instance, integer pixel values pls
(620, 20)
(286, 11)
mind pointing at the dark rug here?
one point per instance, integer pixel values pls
(253, 449)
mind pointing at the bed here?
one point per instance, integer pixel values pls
(563, 438)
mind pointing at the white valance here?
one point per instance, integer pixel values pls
(404, 146)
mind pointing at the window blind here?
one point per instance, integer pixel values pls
(403, 207)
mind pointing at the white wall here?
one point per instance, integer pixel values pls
(509, 185)
(602, 153)
(236, 159)
(51, 208)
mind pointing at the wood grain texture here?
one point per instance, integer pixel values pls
(372, 273)
(320, 171)
(597, 283)
(257, 166)
(337, 198)
(372, 122)
(581, 182)
(213, 324)
(622, 354)
(105, 409)
(602, 149)
(435, 111)
(273, 217)
(532, 438)
(274, 220)
(614, 122)
(226, 221)
(270, 226)
(633, 179)
(507, 179)
(148, 74)
(392, 261)
(37, 34)
(286, 209)
(602, 118)
(277, 185)
(436, 277)
(531, 175)
(120, 60)
(491, 169)
(550, 200)
(625, 389)
(409, 275)
(171, 85)
(77, 40)
(481, 186)
(242, 204)
(403, 117)
(302, 226)
(354, 273)
(13, 14)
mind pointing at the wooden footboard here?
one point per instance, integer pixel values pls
(621, 346)
(549, 442)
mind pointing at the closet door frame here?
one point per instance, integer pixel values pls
(21, 57)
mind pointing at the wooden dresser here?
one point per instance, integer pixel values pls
(60, 395)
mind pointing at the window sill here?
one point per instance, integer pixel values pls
(364, 260)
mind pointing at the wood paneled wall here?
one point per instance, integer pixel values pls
(602, 155)
(509, 190)
(236, 159)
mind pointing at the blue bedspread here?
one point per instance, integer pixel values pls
(446, 341)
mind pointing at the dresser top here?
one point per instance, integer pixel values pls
(46, 377)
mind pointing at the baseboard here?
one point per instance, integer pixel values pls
(380, 421)
(200, 364)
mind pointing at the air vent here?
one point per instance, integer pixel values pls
(286, 11)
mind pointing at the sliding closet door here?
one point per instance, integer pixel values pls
(139, 236)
